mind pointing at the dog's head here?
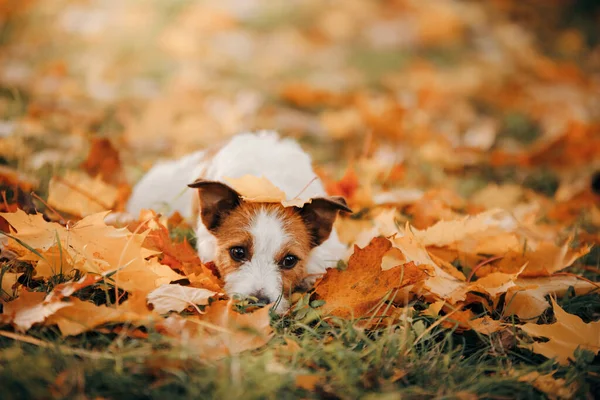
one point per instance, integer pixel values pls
(263, 248)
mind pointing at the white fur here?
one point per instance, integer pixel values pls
(164, 187)
(261, 273)
(282, 161)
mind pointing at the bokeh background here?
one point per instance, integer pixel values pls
(457, 93)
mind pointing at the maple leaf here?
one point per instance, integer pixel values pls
(36, 307)
(346, 186)
(179, 256)
(527, 299)
(69, 288)
(167, 298)
(78, 194)
(260, 189)
(433, 206)
(488, 223)
(566, 335)
(546, 259)
(9, 281)
(82, 316)
(103, 160)
(465, 318)
(548, 384)
(355, 291)
(96, 247)
(221, 331)
(31, 308)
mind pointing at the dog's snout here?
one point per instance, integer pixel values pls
(261, 297)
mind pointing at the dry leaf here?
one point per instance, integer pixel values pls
(103, 160)
(31, 308)
(307, 382)
(82, 316)
(565, 336)
(260, 189)
(555, 388)
(445, 233)
(167, 298)
(546, 259)
(346, 186)
(355, 291)
(527, 299)
(221, 331)
(78, 194)
(94, 247)
(9, 280)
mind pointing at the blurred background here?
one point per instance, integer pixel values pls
(445, 93)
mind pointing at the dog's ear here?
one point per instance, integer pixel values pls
(319, 216)
(216, 201)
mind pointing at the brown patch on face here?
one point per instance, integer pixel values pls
(234, 231)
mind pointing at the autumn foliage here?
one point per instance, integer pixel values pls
(466, 141)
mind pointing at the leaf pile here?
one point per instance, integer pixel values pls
(464, 135)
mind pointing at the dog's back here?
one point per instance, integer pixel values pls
(281, 161)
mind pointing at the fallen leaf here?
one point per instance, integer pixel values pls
(82, 316)
(546, 259)
(527, 299)
(167, 298)
(346, 186)
(9, 280)
(221, 331)
(67, 289)
(548, 384)
(355, 291)
(261, 190)
(78, 194)
(486, 325)
(179, 256)
(566, 335)
(445, 233)
(31, 308)
(103, 160)
(342, 123)
(94, 248)
(307, 382)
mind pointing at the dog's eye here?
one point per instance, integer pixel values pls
(288, 262)
(238, 253)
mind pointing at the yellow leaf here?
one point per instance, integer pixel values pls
(566, 335)
(167, 298)
(355, 291)
(546, 383)
(96, 248)
(527, 299)
(31, 308)
(488, 223)
(307, 382)
(221, 331)
(9, 279)
(261, 190)
(82, 316)
(546, 259)
(78, 194)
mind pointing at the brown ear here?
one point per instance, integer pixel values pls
(216, 201)
(319, 216)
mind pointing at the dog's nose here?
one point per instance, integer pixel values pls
(261, 297)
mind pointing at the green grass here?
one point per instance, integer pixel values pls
(351, 363)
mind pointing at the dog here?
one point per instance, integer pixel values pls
(263, 250)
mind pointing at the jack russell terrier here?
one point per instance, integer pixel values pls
(263, 250)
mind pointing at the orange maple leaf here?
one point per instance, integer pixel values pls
(355, 291)
(181, 257)
(346, 186)
(103, 159)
